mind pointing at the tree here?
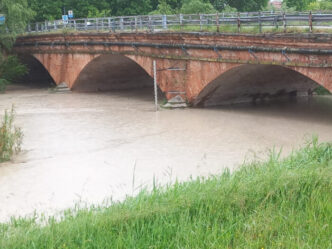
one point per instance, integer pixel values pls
(248, 5)
(163, 8)
(320, 5)
(17, 16)
(46, 9)
(130, 7)
(88, 8)
(298, 4)
(196, 7)
(219, 4)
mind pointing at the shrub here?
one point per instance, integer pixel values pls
(10, 136)
(10, 70)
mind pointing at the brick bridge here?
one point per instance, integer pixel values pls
(204, 68)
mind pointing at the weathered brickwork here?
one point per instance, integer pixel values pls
(190, 64)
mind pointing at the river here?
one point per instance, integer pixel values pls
(86, 147)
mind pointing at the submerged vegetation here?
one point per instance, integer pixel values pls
(280, 203)
(10, 136)
(320, 90)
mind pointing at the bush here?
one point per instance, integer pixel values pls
(10, 136)
(11, 69)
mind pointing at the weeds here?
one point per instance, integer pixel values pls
(10, 136)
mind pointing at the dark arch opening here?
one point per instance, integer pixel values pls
(37, 76)
(252, 83)
(112, 72)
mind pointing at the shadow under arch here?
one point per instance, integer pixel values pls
(112, 72)
(37, 75)
(251, 83)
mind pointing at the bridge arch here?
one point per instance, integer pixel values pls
(112, 72)
(251, 82)
(37, 74)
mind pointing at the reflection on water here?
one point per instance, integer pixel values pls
(84, 147)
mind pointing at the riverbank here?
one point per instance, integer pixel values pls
(280, 203)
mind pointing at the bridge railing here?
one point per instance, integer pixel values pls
(256, 22)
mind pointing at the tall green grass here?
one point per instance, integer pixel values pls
(280, 203)
(10, 136)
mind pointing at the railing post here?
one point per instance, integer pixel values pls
(113, 25)
(29, 27)
(121, 23)
(75, 25)
(276, 22)
(37, 27)
(284, 21)
(109, 23)
(217, 22)
(238, 22)
(260, 22)
(201, 21)
(102, 23)
(150, 24)
(97, 23)
(181, 21)
(310, 22)
(46, 28)
(136, 24)
(164, 22)
(140, 23)
(131, 24)
(55, 26)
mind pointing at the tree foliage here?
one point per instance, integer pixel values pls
(196, 7)
(163, 8)
(320, 5)
(53, 9)
(17, 15)
(298, 4)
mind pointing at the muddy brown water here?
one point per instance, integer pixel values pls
(85, 147)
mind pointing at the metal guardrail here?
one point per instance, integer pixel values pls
(195, 22)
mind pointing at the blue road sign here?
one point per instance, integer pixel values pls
(65, 19)
(71, 14)
(2, 19)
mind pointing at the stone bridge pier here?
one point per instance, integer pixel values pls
(205, 69)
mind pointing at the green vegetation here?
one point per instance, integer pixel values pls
(280, 203)
(10, 136)
(17, 16)
(301, 5)
(196, 7)
(53, 9)
(320, 90)
(320, 5)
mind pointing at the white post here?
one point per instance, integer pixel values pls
(164, 22)
(155, 84)
(121, 23)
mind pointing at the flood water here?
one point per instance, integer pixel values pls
(85, 147)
